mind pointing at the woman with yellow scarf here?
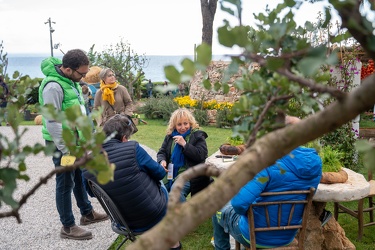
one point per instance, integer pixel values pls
(112, 97)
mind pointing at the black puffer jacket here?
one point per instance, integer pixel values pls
(137, 195)
(195, 152)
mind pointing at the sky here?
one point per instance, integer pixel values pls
(151, 27)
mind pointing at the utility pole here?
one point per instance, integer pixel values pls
(51, 30)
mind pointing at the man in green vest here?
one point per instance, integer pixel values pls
(61, 88)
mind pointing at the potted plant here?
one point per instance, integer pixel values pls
(233, 146)
(135, 118)
(332, 166)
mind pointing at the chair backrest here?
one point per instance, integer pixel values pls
(280, 204)
(118, 223)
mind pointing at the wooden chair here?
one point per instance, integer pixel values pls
(298, 242)
(360, 211)
(118, 223)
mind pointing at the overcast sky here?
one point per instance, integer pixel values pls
(152, 27)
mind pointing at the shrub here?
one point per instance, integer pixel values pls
(342, 140)
(201, 117)
(160, 107)
(222, 118)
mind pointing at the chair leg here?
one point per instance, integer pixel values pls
(371, 204)
(336, 210)
(238, 245)
(122, 243)
(360, 218)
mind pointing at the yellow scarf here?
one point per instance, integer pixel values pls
(107, 91)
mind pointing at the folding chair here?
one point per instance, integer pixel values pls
(298, 242)
(360, 211)
(118, 223)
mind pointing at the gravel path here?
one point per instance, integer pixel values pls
(40, 225)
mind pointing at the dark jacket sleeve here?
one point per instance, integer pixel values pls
(195, 153)
(195, 150)
(164, 151)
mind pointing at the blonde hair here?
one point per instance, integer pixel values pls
(177, 115)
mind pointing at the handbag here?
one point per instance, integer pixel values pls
(135, 129)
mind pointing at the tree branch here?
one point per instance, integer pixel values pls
(43, 180)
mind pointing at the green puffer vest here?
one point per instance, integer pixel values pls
(69, 88)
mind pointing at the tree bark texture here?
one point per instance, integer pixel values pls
(208, 9)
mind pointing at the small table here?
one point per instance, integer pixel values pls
(219, 162)
(332, 235)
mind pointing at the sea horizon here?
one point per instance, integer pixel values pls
(29, 64)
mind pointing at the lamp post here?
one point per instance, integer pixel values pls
(51, 30)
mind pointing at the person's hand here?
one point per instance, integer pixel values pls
(178, 139)
(164, 165)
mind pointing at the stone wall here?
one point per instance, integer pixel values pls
(215, 73)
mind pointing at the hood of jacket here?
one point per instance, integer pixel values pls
(48, 66)
(303, 162)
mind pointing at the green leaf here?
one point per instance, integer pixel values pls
(363, 145)
(225, 88)
(225, 37)
(204, 54)
(22, 167)
(369, 158)
(172, 74)
(207, 84)
(262, 179)
(189, 67)
(105, 176)
(217, 86)
(9, 176)
(341, 37)
(310, 65)
(274, 63)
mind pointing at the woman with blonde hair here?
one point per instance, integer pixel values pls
(183, 147)
(112, 97)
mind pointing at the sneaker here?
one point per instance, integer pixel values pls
(93, 217)
(75, 233)
(325, 216)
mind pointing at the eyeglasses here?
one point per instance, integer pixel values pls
(110, 75)
(82, 74)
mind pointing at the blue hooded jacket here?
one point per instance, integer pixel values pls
(299, 170)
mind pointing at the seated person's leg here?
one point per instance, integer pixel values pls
(199, 183)
(185, 191)
(226, 222)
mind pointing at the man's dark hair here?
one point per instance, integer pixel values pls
(74, 59)
(120, 124)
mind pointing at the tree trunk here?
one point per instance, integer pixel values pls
(208, 9)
